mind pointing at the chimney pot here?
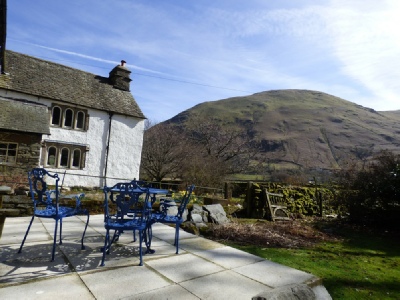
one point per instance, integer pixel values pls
(123, 63)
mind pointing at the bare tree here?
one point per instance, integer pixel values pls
(201, 150)
(231, 147)
(163, 152)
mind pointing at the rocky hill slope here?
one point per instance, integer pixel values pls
(302, 128)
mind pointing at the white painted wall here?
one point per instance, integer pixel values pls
(125, 146)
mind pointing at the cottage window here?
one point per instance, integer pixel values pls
(76, 158)
(68, 118)
(8, 153)
(64, 157)
(61, 155)
(80, 120)
(56, 116)
(51, 156)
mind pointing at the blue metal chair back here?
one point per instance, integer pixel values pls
(127, 197)
(185, 200)
(140, 183)
(40, 193)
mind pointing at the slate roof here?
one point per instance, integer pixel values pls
(23, 116)
(46, 79)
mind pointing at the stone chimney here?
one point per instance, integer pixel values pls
(120, 77)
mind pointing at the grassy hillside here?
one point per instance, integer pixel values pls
(307, 129)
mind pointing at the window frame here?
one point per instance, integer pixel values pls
(7, 153)
(68, 117)
(80, 112)
(58, 124)
(76, 117)
(48, 156)
(64, 156)
(72, 164)
(64, 151)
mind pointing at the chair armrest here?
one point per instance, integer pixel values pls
(78, 198)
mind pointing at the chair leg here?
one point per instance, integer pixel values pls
(140, 247)
(26, 234)
(84, 232)
(106, 246)
(55, 240)
(60, 231)
(177, 237)
(147, 237)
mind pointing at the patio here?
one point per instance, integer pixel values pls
(203, 269)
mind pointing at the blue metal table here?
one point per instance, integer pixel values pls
(148, 233)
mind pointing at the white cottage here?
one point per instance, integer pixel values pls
(85, 126)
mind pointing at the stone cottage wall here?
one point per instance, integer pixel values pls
(21, 202)
(28, 154)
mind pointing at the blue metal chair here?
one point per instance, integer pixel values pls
(46, 203)
(126, 210)
(162, 216)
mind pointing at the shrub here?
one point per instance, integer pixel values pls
(372, 195)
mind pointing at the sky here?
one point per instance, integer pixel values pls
(182, 53)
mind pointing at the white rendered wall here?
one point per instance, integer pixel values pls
(125, 146)
(125, 149)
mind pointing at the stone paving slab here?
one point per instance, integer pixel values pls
(165, 233)
(273, 274)
(224, 285)
(171, 292)
(163, 249)
(14, 231)
(198, 244)
(123, 282)
(60, 288)
(229, 257)
(183, 267)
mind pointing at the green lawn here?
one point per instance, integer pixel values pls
(362, 266)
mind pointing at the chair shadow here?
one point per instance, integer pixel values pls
(34, 261)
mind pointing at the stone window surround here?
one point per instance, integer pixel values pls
(74, 121)
(60, 146)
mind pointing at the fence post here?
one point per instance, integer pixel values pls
(227, 191)
(318, 196)
(249, 200)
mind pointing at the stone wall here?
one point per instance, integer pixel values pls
(28, 154)
(21, 202)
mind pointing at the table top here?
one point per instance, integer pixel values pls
(153, 191)
(158, 191)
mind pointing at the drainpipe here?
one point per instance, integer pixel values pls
(110, 114)
(3, 34)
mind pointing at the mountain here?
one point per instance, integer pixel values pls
(302, 128)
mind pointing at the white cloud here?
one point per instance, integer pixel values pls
(366, 41)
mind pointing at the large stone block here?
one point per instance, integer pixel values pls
(287, 292)
(217, 213)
